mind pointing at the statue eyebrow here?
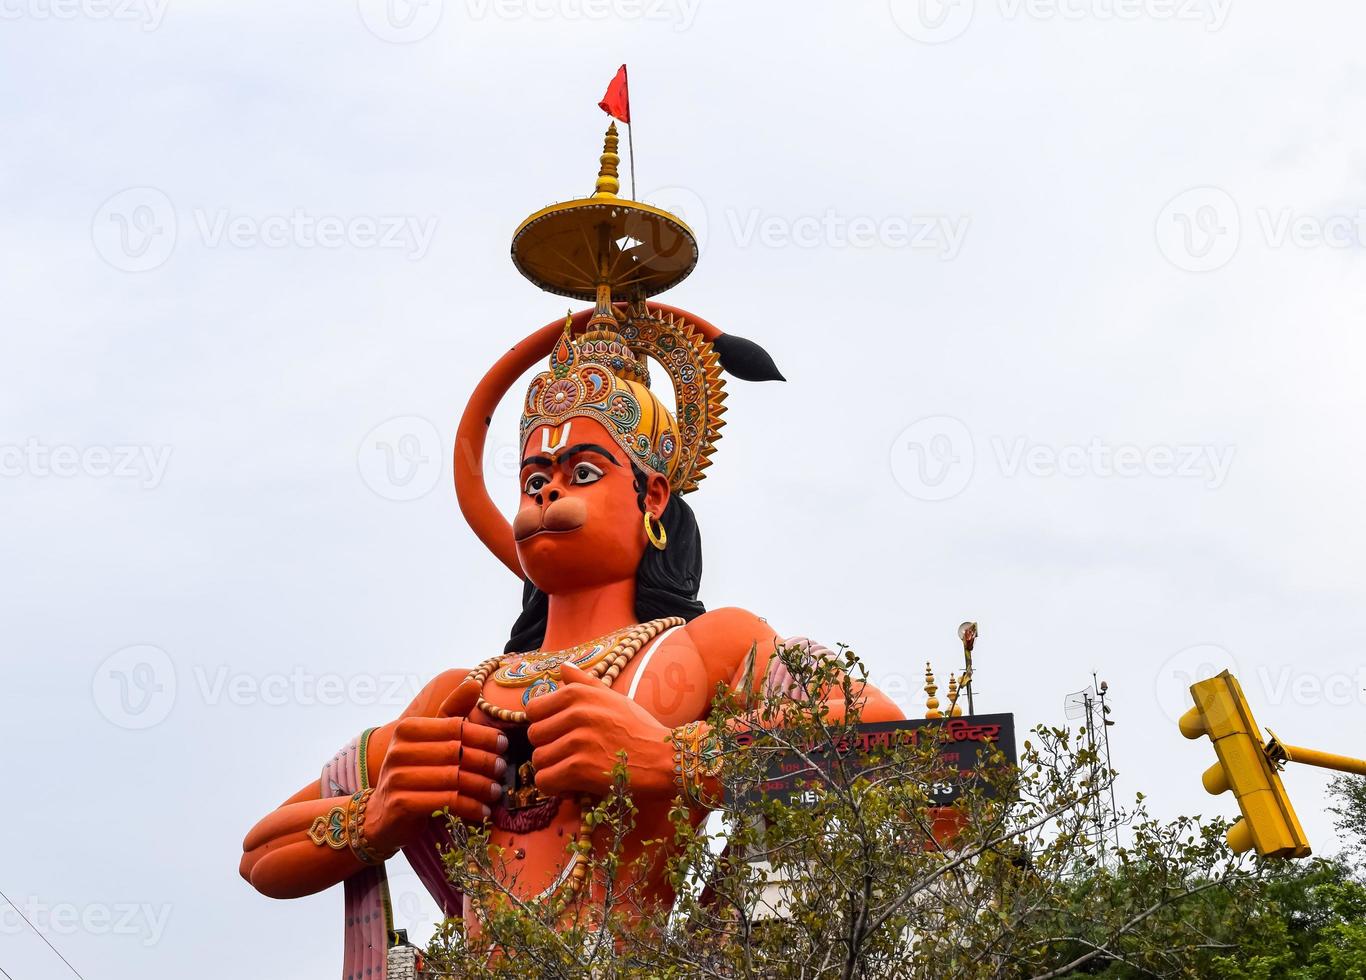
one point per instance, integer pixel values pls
(588, 447)
(583, 447)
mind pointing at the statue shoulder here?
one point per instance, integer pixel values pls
(429, 700)
(724, 637)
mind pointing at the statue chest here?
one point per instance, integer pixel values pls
(657, 652)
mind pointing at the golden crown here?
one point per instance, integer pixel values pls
(602, 374)
(586, 248)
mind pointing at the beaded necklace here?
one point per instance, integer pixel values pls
(539, 672)
(605, 658)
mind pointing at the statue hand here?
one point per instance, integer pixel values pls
(434, 763)
(577, 731)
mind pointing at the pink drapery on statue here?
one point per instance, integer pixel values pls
(369, 922)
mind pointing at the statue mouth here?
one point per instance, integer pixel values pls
(542, 530)
(560, 517)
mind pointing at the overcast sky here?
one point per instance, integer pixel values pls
(1068, 293)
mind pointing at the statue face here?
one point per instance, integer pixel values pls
(579, 524)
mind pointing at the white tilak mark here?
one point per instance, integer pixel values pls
(645, 661)
(546, 447)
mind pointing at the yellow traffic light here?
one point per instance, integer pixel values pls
(1269, 823)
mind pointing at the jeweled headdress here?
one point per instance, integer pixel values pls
(586, 248)
(615, 253)
(603, 375)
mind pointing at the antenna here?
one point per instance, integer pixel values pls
(1089, 703)
(967, 632)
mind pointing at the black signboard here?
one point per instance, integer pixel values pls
(965, 744)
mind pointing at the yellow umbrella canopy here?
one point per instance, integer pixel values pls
(633, 249)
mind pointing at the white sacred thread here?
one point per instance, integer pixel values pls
(645, 661)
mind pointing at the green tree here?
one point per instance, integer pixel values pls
(862, 879)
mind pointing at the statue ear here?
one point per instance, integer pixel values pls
(656, 494)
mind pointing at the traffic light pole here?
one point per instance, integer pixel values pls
(1251, 768)
(1279, 752)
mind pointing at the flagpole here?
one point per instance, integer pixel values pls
(630, 133)
(631, 151)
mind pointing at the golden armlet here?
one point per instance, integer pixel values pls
(697, 758)
(343, 827)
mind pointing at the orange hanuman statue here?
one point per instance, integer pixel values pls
(612, 652)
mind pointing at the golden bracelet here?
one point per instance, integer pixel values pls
(343, 827)
(697, 757)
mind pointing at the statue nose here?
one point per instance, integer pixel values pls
(554, 495)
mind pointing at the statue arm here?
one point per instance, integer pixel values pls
(427, 759)
(731, 635)
(278, 858)
(725, 638)
(577, 731)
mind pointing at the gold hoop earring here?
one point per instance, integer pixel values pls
(654, 530)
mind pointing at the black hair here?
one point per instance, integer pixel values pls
(667, 581)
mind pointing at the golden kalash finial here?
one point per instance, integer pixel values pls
(955, 709)
(931, 688)
(604, 247)
(608, 182)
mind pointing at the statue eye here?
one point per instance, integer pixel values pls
(586, 473)
(535, 483)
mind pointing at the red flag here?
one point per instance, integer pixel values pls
(617, 101)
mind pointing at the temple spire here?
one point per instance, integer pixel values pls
(608, 183)
(931, 688)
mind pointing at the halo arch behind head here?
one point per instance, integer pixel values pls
(471, 488)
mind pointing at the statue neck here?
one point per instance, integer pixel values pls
(577, 617)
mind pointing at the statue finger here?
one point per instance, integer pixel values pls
(440, 779)
(422, 729)
(553, 753)
(484, 763)
(546, 705)
(485, 737)
(465, 807)
(462, 700)
(553, 726)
